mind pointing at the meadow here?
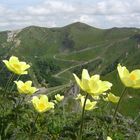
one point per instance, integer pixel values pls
(54, 54)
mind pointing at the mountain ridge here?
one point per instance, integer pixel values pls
(71, 24)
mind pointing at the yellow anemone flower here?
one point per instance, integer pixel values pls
(96, 97)
(129, 79)
(16, 66)
(112, 98)
(26, 87)
(89, 104)
(59, 98)
(79, 96)
(109, 138)
(92, 85)
(55, 101)
(42, 104)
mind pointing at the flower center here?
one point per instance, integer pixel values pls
(41, 106)
(17, 66)
(24, 87)
(132, 77)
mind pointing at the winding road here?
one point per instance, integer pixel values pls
(81, 62)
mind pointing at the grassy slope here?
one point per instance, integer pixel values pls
(80, 45)
(76, 43)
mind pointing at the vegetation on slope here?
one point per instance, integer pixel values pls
(61, 51)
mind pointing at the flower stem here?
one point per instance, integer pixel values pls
(33, 127)
(14, 83)
(136, 118)
(117, 107)
(9, 81)
(82, 118)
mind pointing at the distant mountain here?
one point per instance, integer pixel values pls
(55, 53)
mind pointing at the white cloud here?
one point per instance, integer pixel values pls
(87, 19)
(111, 7)
(38, 11)
(124, 20)
(50, 13)
(49, 7)
(59, 6)
(4, 11)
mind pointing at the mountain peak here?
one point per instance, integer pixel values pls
(79, 25)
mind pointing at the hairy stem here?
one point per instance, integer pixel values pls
(9, 81)
(117, 107)
(14, 83)
(82, 118)
(33, 127)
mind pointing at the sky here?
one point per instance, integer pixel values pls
(16, 14)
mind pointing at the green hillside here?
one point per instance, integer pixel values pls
(57, 52)
(57, 49)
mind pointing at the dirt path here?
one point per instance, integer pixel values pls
(75, 52)
(61, 59)
(84, 63)
(57, 75)
(81, 62)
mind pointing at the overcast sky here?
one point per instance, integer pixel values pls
(16, 14)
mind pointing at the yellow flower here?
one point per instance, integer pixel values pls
(42, 104)
(109, 138)
(96, 97)
(92, 85)
(16, 66)
(129, 79)
(89, 104)
(55, 101)
(79, 96)
(59, 98)
(112, 98)
(26, 87)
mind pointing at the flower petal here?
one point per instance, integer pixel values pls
(77, 80)
(111, 97)
(85, 74)
(123, 71)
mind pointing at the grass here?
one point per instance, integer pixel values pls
(3, 37)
